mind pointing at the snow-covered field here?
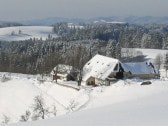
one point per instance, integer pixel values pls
(125, 102)
(148, 53)
(152, 53)
(119, 105)
(18, 92)
(25, 32)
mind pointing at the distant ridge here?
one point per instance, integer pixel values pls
(130, 20)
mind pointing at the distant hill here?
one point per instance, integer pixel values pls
(130, 19)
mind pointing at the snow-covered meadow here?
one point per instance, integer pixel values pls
(118, 105)
(18, 92)
(25, 32)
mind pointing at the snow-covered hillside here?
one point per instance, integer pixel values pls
(124, 103)
(18, 92)
(25, 32)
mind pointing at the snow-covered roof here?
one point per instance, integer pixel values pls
(139, 68)
(62, 69)
(99, 67)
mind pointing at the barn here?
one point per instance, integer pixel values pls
(141, 70)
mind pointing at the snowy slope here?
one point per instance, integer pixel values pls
(26, 32)
(17, 94)
(119, 105)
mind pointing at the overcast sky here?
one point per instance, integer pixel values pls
(37, 9)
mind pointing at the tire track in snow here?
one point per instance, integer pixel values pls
(88, 90)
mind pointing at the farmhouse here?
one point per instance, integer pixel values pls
(102, 70)
(64, 72)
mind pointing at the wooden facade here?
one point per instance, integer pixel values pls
(90, 81)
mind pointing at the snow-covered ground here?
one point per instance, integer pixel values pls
(148, 53)
(125, 102)
(152, 53)
(18, 92)
(25, 32)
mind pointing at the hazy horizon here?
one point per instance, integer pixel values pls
(17, 10)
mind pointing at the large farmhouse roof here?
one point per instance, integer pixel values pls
(99, 67)
(139, 68)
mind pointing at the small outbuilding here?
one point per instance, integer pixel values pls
(64, 72)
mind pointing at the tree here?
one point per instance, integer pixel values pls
(54, 110)
(166, 63)
(113, 48)
(72, 105)
(118, 51)
(19, 32)
(39, 108)
(159, 61)
(6, 119)
(26, 116)
(146, 41)
(13, 33)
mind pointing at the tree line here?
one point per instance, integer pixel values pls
(76, 45)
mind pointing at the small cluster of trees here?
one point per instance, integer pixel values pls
(39, 110)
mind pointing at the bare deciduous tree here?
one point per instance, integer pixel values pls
(39, 108)
(6, 119)
(159, 61)
(26, 116)
(72, 105)
(54, 111)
